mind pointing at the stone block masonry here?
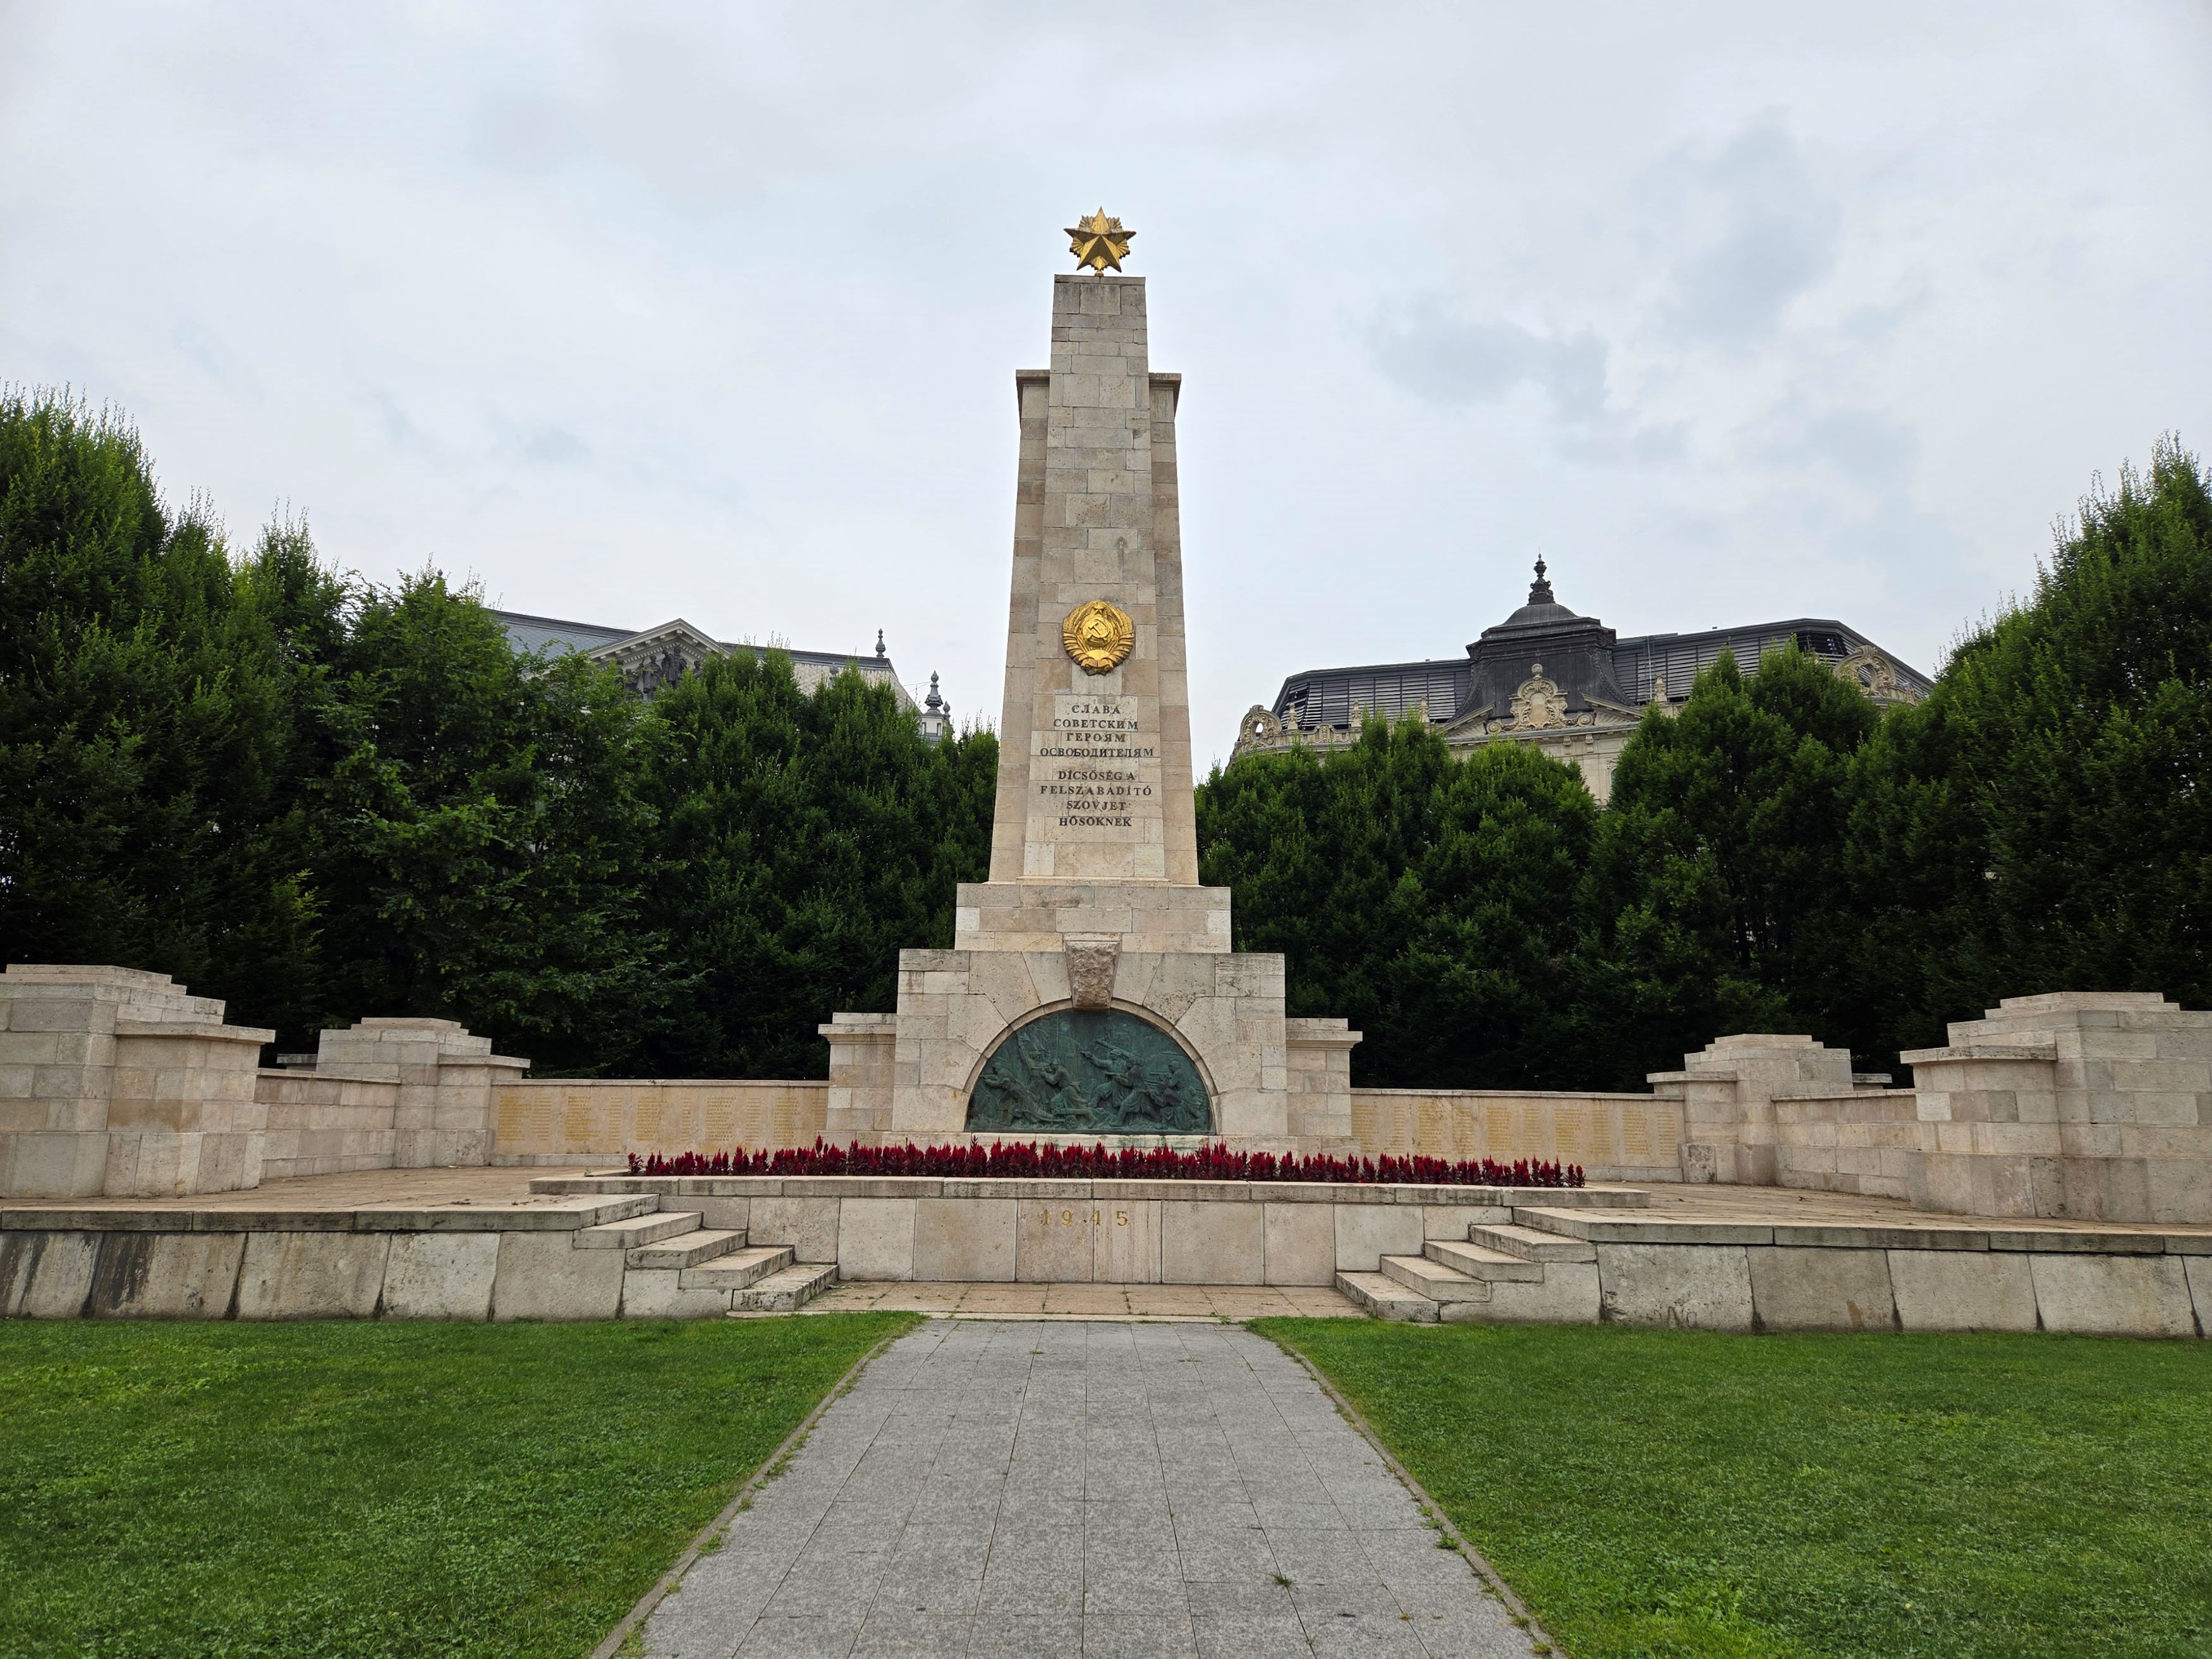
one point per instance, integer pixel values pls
(116, 1081)
(1093, 900)
(121, 1082)
(695, 1247)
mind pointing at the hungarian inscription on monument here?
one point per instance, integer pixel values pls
(1104, 762)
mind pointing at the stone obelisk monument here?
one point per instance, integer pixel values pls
(1091, 990)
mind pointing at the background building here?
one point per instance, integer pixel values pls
(1566, 683)
(653, 657)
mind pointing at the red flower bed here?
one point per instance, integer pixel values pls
(1049, 1159)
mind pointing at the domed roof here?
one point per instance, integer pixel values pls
(1542, 610)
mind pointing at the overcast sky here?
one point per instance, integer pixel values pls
(632, 312)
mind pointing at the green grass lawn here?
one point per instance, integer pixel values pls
(376, 1489)
(1676, 1493)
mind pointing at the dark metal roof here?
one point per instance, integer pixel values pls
(1579, 654)
(528, 632)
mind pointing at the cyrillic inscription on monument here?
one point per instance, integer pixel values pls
(1099, 766)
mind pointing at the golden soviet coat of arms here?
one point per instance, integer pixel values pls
(1098, 635)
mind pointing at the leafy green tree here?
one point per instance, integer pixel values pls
(807, 838)
(1431, 901)
(1718, 899)
(148, 749)
(487, 834)
(2044, 822)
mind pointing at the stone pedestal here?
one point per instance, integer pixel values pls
(1728, 1091)
(2092, 1106)
(1093, 908)
(860, 1045)
(443, 1113)
(120, 1082)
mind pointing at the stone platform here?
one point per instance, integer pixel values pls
(489, 1244)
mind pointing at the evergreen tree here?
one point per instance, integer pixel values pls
(1717, 899)
(148, 746)
(807, 839)
(2043, 823)
(1430, 901)
(487, 834)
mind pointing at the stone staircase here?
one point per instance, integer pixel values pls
(675, 1268)
(1529, 1270)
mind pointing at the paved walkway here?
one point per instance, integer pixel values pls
(987, 1301)
(1031, 1488)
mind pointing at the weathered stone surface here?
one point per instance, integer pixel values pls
(2197, 1269)
(1125, 1246)
(875, 1238)
(166, 1275)
(1567, 1294)
(970, 1240)
(1090, 964)
(1821, 1290)
(45, 1276)
(542, 1276)
(658, 1293)
(1053, 1240)
(1301, 1243)
(1365, 1233)
(2112, 1295)
(809, 1225)
(312, 1276)
(1213, 1244)
(440, 1275)
(1700, 1286)
(1962, 1290)
(1452, 1220)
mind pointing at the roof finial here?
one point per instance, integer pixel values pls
(933, 702)
(1540, 591)
(879, 642)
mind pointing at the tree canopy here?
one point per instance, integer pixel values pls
(318, 798)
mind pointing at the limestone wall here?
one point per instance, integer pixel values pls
(1613, 1137)
(586, 1121)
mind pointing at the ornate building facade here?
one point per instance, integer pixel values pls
(1563, 681)
(653, 657)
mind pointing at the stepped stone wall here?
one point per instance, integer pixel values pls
(118, 1083)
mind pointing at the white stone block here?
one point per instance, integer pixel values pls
(1697, 1287)
(540, 1275)
(967, 1240)
(876, 1238)
(441, 1276)
(2112, 1295)
(1962, 1290)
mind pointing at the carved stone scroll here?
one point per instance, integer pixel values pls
(1091, 959)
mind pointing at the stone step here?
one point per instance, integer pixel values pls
(687, 1249)
(739, 1270)
(640, 1229)
(786, 1291)
(1434, 1280)
(1529, 1243)
(1576, 1198)
(1493, 1267)
(1385, 1298)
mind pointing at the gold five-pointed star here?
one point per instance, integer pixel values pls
(1099, 242)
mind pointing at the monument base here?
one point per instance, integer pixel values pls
(1272, 1084)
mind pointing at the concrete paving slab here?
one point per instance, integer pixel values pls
(1002, 1486)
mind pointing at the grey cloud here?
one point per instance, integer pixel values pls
(1447, 359)
(1772, 232)
(553, 446)
(1871, 449)
(530, 136)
